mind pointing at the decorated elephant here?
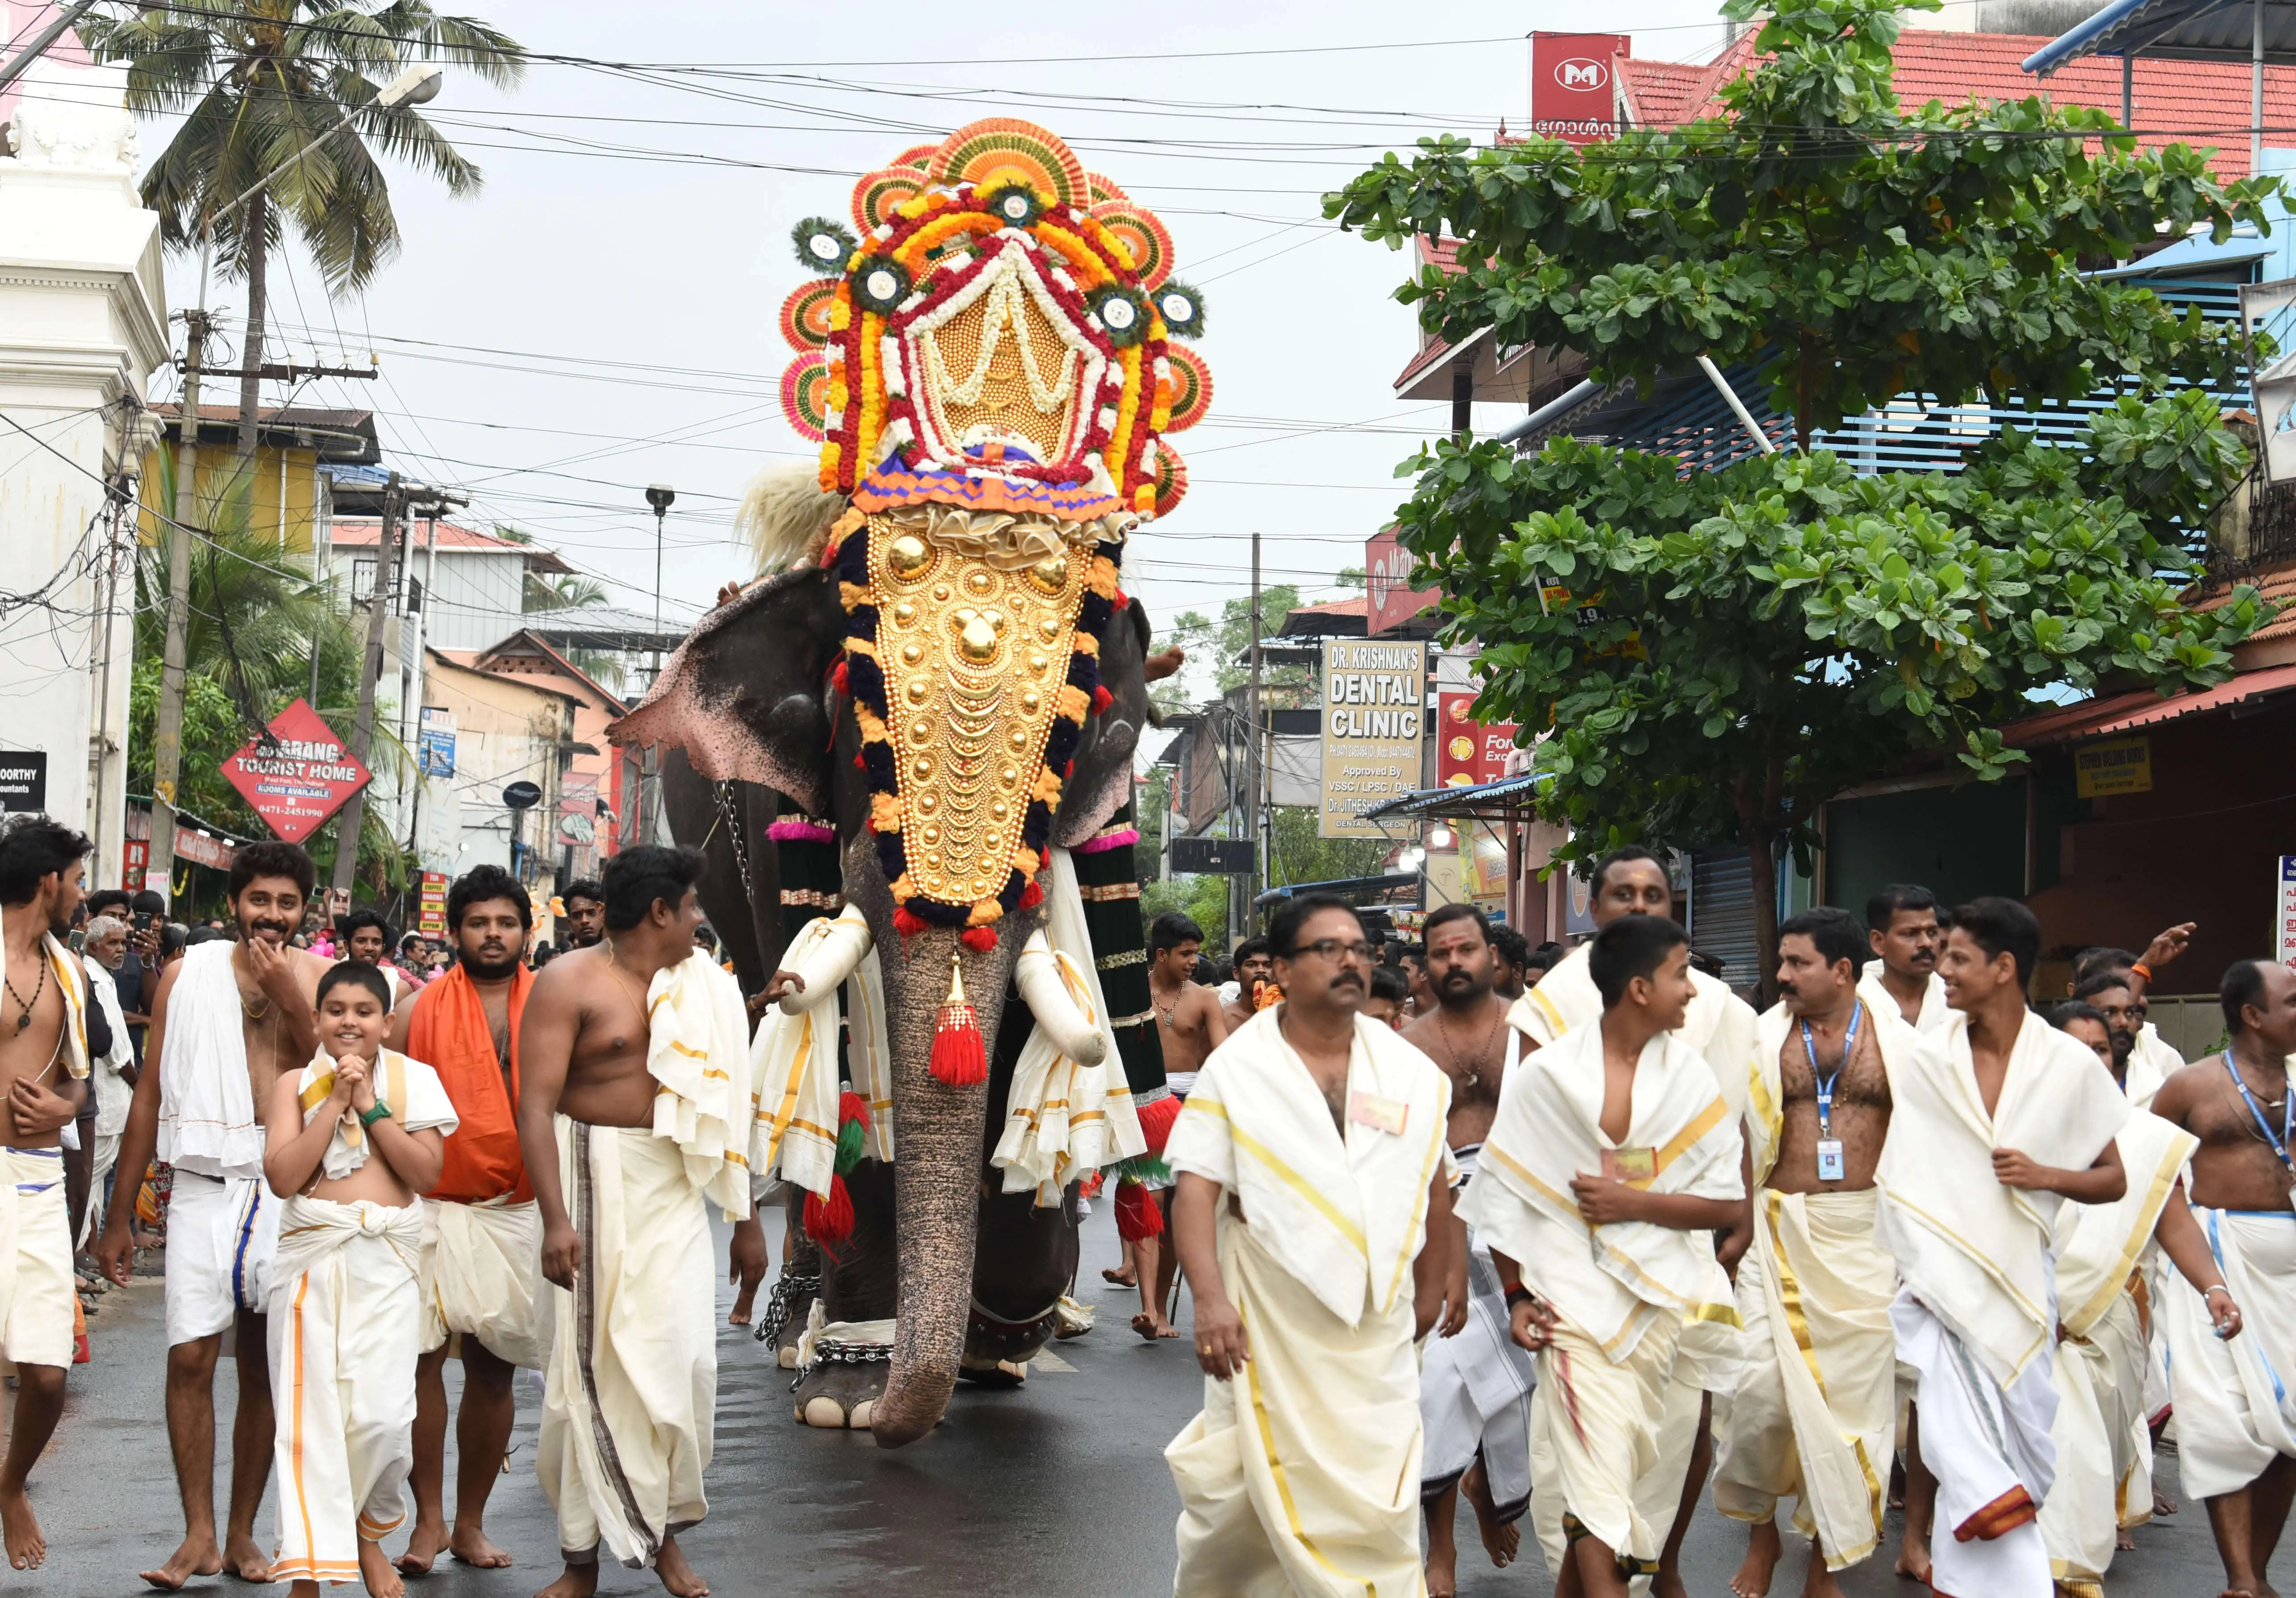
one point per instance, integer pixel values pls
(929, 705)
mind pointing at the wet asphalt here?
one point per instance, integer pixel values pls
(1055, 1490)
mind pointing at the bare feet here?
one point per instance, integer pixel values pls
(2162, 1505)
(197, 1556)
(1914, 1560)
(26, 1546)
(1819, 1583)
(1150, 1326)
(1501, 1539)
(1123, 1278)
(2124, 1541)
(423, 1547)
(575, 1581)
(678, 1576)
(471, 1545)
(1442, 1568)
(375, 1569)
(1668, 1583)
(1763, 1548)
(243, 1558)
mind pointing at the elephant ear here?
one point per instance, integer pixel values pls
(1099, 784)
(742, 696)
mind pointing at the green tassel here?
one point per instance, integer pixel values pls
(850, 1138)
(1140, 1167)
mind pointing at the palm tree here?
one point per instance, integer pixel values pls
(257, 81)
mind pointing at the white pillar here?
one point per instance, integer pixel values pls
(83, 325)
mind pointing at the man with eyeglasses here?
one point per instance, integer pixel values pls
(1313, 1218)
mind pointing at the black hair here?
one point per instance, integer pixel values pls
(1249, 947)
(1884, 905)
(1835, 934)
(365, 916)
(1170, 929)
(150, 903)
(481, 883)
(2089, 987)
(2100, 957)
(582, 888)
(1631, 946)
(33, 847)
(1293, 913)
(103, 899)
(174, 937)
(1390, 984)
(1548, 956)
(2243, 986)
(1412, 951)
(353, 970)
(2002, 926)
(205, 935)
(270, 858)
(1211, 974)
(1457, 910)
(644, 873)
(1514, 948)
(2072, 1010)
(1626, 854)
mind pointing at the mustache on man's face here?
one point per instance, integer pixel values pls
(1347, 979)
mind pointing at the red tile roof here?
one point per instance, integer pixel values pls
(1443, 253)
(2127, 712)
(367, 535)
(2276, 583)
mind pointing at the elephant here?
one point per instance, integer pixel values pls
(752, 699)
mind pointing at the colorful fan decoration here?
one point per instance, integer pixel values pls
(1191, 387)
(877, 194)
(806, 396)
(1143, 237)
(1171, 480)
(918, 156)
(1005, 149)
(1181, 308)
(805, 314)
(1103, 188)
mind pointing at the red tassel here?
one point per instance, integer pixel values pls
(1090, 1186)
(1137, 1213)
(829, 1222)
(958, 1056)
(852, 1107)
(978, 939)
(906, 921)
(1156, 1121)
(1032, 896)
(859, 764)
(837, 678)
(1101, 698)
(1122, 600)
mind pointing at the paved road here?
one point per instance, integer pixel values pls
(1054, 1490)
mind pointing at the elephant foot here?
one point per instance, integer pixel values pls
(1001, 1373)
(787, 1310)
(836, 1396)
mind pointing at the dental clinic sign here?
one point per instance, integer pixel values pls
(1573, 94)
(1374, 726)
(303, 776)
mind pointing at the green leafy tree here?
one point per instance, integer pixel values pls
(1719, 653)
(1214, 648)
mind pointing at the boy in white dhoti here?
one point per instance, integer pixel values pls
(1312, 1216)
(349, 1141)
(1992, 1127)
(2236, 1243)
(633, 1108)
(1613, 1161)
(1904, 938)
(1814, 1415)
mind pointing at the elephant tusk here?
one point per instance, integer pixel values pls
(827, 959)
(1046, 994)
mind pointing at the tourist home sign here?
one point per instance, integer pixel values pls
(299, 778)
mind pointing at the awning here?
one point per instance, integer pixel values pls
(1394, 881)
(2189, 29)
(1504, 800)
(2130, 712)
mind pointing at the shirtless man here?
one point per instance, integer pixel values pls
(1253, 964)
(1189, 1026)
(44, 1067)
(228, 1019)
(1414, 970)
(1466, 1034)
(2237, 1453)
(586, 915)
(1823, 1056)
(640, 1264)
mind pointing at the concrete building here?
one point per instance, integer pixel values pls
(470, 585)
(82, 325)
(507, 729)
(285, 500)
(598, 795)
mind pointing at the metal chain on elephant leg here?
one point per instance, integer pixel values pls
(733, 837)
(788, 1286)
(833, 1352)
(984, 1325)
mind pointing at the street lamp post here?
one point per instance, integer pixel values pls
(414, 87)
(660, 496)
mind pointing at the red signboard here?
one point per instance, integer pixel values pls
(1572, 97)
(1468, 753)
(301, 779)
(1391, 600)
(135, 854)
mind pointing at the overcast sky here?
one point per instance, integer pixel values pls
(592, 323)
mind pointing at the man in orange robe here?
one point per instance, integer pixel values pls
(481, 1239)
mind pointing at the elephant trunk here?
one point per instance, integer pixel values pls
(938, 1132)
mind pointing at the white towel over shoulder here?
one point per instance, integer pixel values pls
(207, 1104)
(697, 1048)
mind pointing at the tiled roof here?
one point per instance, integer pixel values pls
(2276, 583)
(1660, 93)
(1432, 252)
(2127, 712)
(367, 535)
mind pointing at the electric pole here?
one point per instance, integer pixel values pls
(168, 731)
(1252, 762)
(353, 812)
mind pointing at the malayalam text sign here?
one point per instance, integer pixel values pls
(2116, 765)
(1375, 721)
(303, 777)
(2283, 907)
(1572, 97)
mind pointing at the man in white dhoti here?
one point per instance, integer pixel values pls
(44, 1068)
(1313, 1218)
(349, 1141)
(227, 1021)
(1993, 1126)
(634, 1111)
(1720, 1026)
(1475, 1388)
(481, 1261)
(111, 1075)
(1814, 1415)
(2235, 1245)
(1903, 936)
(1613, 1161)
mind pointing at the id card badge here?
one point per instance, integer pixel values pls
(1381, 1115)
(1631, 1164)
(1831, 1166)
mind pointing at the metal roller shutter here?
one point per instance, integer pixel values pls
(1722, 913)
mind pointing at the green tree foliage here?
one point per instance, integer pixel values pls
(1214, 648)
(1719, 653)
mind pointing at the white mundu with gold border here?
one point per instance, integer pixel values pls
(1301, 1474)
(1624, 1292)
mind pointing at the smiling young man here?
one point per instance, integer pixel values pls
(1903, 934)
(481, 1236)
(228, 1019)
(1993, 1127)
(1313, 1217)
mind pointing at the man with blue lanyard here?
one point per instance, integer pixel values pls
(2232, 1318)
